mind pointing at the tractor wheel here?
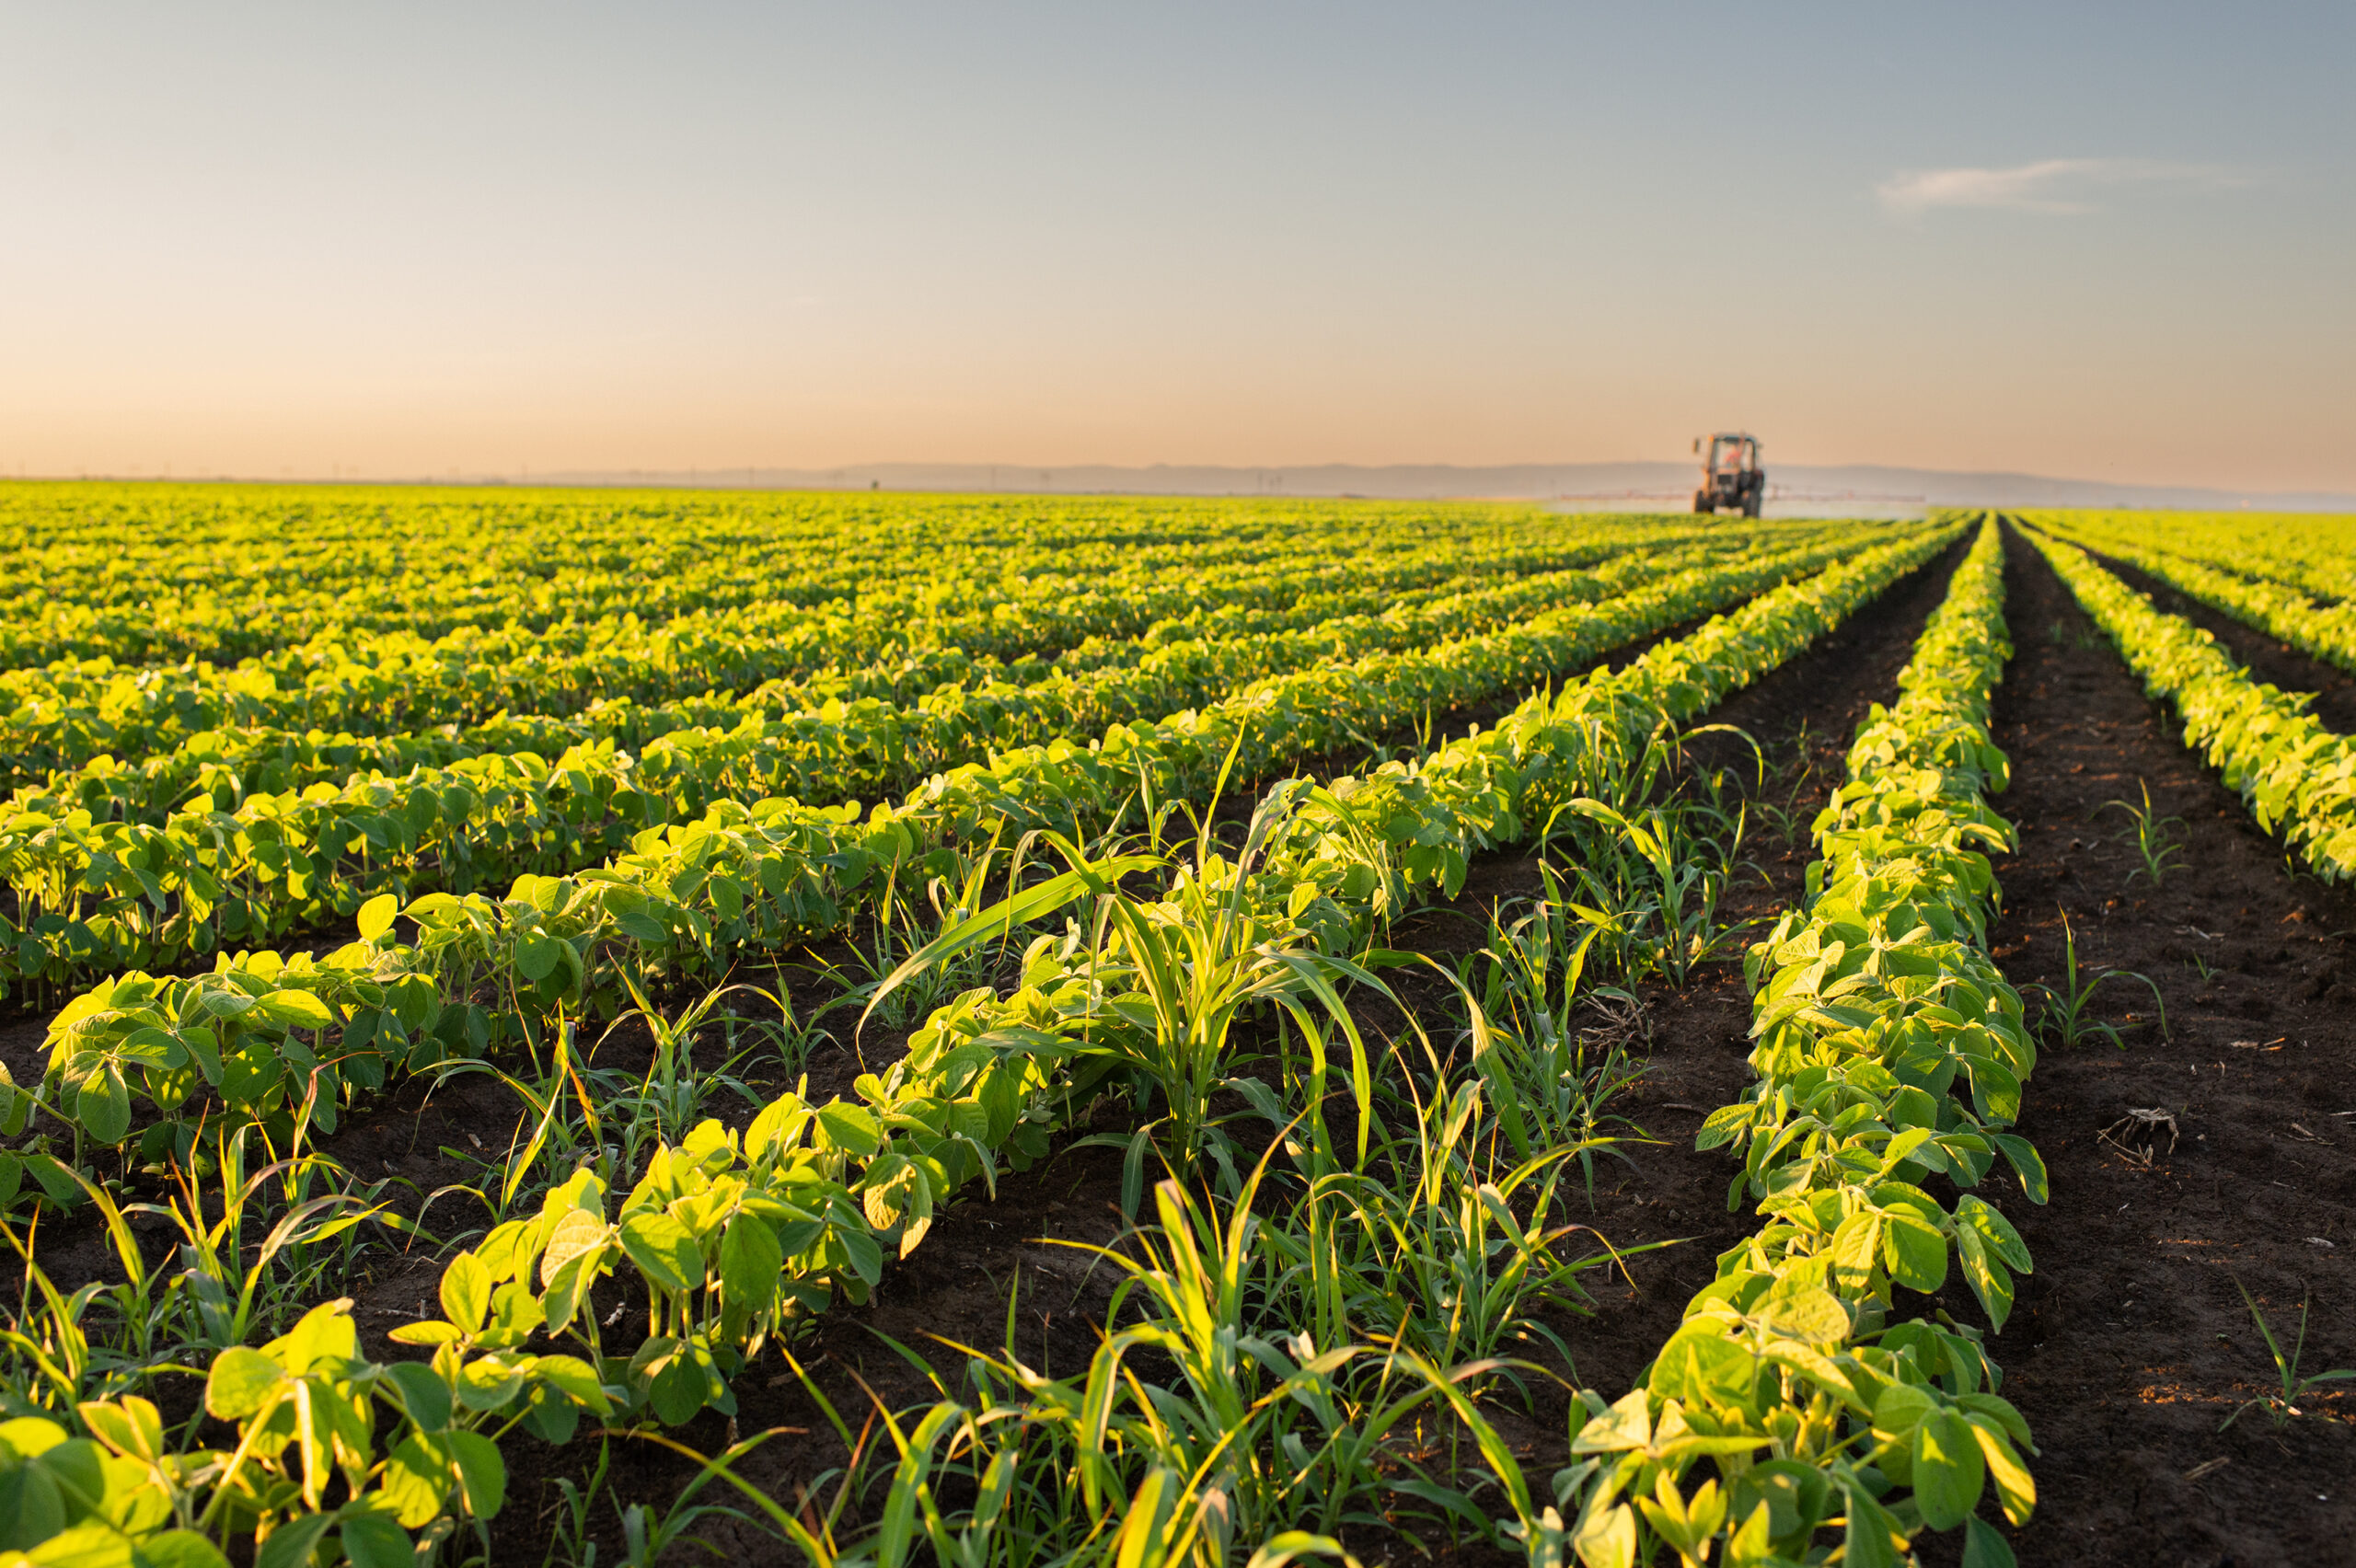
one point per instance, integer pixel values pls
(1752, 503)
(1702, 502)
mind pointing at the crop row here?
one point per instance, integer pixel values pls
(153, 581)
(92, 896)
(907, 584)
(2325, 631)
(1891, 1049)
(2298, 777)
(396, 683)
(2305, 552)
(229, 766)
(693, 897)
(230, 763)
(181, 572)
(728, 1235)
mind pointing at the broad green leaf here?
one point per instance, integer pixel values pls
(577, 1380)
(1812, 1314)
(1948, 1469)
(2025, 1163)
(466, 1293)
(373, 1541)
(1607, 1539)
(662, 1250)
(240, 1382)
(1627, 1424)
(294, 1010)
(851, 1127)
(181, 1548)
(1996, 1230)
(1989, 1280)
(1914, 1251)
(292, 1543)
(1852, 1249)
(489, 1384)
(422, 1393)
(483, 1475)
(2015, 1488)
(577, 1231)
(103, 1105)
(377, 916)
(751, 1262)
(1983, 1548)
(417, 1477)
(537, 956)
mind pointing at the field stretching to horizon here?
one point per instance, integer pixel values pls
(609, 1027)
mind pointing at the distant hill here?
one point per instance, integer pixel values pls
(1658, 485)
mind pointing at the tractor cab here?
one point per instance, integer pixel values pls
(1732, 480)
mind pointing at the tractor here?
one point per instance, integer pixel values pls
(1732, 480)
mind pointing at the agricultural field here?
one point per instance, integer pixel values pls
(620, 1027)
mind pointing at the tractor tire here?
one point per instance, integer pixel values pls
(1752, 503)
(1702, 504)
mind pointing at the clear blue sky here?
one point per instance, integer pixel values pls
(2107, 241)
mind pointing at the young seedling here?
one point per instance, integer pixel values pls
(2283, 1405)
(2068, 1016)
(2155, 839)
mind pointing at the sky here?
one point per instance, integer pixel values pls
(423, 240)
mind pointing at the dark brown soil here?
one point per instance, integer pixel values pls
(2131, 1343)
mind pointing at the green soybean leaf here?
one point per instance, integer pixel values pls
(377, 916)
(240, 1382)
(1607, 1539)
(417, 1478)
(103, 1105)
(466, 1292)
(1812, 1314)
(2026, 1163)
(662, 1250)
(482, 1475)
(851, 1127)
(422, 1393)
(373, 1540)
(181, 1548)
(1983, 1548)
(644, 927)
(489, 1384)
(1987, 1276)
(2015, 1488)
(537, 957)
(1915, 1249)
(577, 1380)
(1948, 1471)
(292, 1543)
(1852, 1249)
(751, 1262)
(1868, 1543)
(294, 1010)
(577, 1232)
(1996, 1230)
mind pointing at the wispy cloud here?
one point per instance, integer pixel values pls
(2050, 185)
